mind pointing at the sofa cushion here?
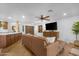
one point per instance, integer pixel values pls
(44, 40)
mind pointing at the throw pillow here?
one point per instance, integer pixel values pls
(50, 39)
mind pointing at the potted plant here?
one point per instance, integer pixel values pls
(75, 29)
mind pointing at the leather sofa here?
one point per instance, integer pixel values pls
(39, 46)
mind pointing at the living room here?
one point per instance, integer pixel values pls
(30, 21)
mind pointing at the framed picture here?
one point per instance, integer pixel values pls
(40, 28)
(5, 25)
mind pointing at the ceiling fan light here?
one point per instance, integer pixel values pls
(65, 14)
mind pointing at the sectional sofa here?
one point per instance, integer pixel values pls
(40, 47)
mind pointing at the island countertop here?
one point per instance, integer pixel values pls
(7, 39)
(8, 33)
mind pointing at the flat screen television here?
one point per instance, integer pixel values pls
(51, 26)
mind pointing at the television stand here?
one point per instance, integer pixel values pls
(51, 34)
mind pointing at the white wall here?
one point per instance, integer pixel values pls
(65, 28)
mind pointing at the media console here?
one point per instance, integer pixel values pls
(51, 34)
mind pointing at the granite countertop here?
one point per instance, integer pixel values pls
(7, 33)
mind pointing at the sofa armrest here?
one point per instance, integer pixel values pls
(55, 48)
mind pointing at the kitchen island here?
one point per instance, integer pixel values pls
(7, 39)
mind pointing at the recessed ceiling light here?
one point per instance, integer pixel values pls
(23, 16)
(65, 14)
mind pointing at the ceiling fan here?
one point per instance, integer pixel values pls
(42, 17)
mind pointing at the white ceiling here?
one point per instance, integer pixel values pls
(36, 9)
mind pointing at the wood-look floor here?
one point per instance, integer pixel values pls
(16, 49)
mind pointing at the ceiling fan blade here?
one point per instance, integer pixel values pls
(46, 17)
(42, 17)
